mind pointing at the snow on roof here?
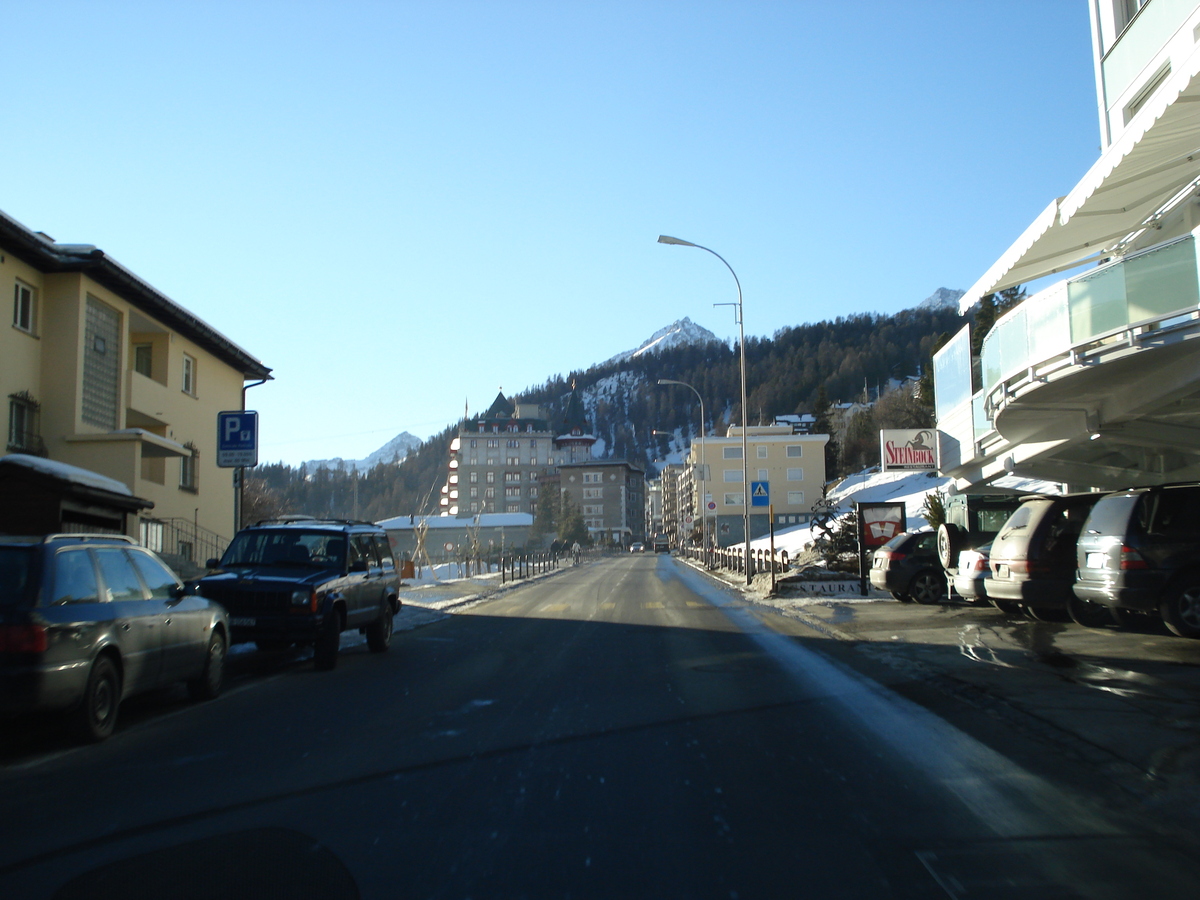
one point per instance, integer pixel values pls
(65, 472)
(486, 520)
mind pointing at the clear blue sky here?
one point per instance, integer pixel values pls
(402, 206)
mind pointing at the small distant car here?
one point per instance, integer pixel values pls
(637, 547)
(86, 620)
(907, 567)
(972, 574)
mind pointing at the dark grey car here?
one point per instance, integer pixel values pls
(1140, 552)
(907, 567)
(87, 620)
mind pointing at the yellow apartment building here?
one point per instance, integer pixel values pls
(102, 371)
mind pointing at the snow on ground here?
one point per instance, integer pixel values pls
(911, 488)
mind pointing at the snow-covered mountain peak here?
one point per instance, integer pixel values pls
(395, 449)
(942, 298)
(677, 334)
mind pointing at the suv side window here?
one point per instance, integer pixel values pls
(366, 550)
(158, 578)
(119, 576)
(74, 578)
(1175, 512)
(384, 548)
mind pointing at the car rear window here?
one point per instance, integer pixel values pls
(16, 576)
(1111, 515)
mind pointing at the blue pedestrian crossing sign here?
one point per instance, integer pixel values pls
(237, 439)
(760, 494)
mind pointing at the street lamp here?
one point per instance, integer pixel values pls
(665, 239)
(703, 467)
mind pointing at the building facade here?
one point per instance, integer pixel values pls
(1091, 381)
(611, 495)
(786, 472)
(501, 457)
(103, 372)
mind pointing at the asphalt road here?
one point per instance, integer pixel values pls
(621, 729)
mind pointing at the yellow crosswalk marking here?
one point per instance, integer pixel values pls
(653, 604)
(555, 607)
(608, 606)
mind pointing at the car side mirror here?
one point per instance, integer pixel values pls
(212, 563)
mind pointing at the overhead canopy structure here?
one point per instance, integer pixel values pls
(1155, 158)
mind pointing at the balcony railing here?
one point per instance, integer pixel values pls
(1110, 308)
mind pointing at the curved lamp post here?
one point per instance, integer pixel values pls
(703, 468)
(666, 239)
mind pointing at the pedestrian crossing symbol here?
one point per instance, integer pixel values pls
(760, 495)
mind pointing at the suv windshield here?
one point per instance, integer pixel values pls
(16, 575)
(286, 547)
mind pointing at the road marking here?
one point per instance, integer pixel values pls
(555, 607)
(695, 605)
(653, 604)
(608, 606)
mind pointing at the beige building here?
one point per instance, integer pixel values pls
(102, 371)
(786, 473)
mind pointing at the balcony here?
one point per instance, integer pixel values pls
(1090, 382)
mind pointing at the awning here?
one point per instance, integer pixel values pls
(1156, 157)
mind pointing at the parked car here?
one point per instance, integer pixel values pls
(972, 574)
(1140, 552)
(637, 547)
(972, 520)
(1033, 556)
(907, 567)
(305, 581)
(86, 620)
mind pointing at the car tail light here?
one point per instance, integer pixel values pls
(23, 639)
(890, 555)
(981, 564)
(1131, 559)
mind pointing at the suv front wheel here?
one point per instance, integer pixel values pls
(325, 651)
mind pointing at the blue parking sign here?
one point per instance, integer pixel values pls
(237, 439)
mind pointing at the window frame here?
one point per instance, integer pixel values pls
(25, 307)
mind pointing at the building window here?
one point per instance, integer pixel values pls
(143, 359)
(733, 475)
(731, 452)
(25, 308)
(513, 507)
(189, 469)
(24, 432)
(795, 475)
(512, 460)
(593, 510)
(512, 492)
(762, 451)
(189, 375)
(533, 492)
(512, 445)
(474, 507)
(474, 492)
(795, 498)
(474, 443)
(489, 493)
(512, 477)
(490, 477)
(533, 444)
(593, 493)
(593, 478)
(734, 500)
(763, 475)
(101, 365)
(795, 451)
(493, 442)
(473, 478)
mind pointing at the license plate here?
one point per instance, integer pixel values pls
(1001, 571)
(242, 621)
(1096, 560)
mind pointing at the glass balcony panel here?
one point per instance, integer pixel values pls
(1013, 337)
(1097, 303)
(1162, 281)
(1048, 324)
(979, 415)
(952, 374)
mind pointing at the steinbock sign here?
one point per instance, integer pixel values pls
(237, 439)
(912, 450)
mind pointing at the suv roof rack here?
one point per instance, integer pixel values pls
(87, 536)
